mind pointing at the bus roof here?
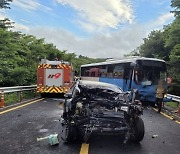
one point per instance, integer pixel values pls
(45, 61)
(122, 61)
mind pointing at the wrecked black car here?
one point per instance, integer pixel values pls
(97, 107)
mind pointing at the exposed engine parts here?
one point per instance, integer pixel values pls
(103, 109)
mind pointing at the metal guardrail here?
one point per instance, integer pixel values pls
(17, 89)
(174, 98)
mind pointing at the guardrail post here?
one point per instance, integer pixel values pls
(34, 93)
(2, 99)
(21, 96)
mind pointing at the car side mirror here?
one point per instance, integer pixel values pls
(68, 95)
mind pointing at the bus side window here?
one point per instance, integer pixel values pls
(102, 70)
(126, 73)
(92, 74)
(87, 73)
(110, 70)
(118, 71)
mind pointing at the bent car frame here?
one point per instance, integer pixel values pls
(96, 107)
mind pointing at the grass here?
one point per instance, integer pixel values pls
(12, 98)
(172, 104)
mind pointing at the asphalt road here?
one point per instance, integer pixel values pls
(20, 128)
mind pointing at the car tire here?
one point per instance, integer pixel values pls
(138, 130)
(69, 134)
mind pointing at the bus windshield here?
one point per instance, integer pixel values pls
(151, 71)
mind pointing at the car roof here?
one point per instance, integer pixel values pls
(99, 84)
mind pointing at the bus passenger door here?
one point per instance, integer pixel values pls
(127, 81)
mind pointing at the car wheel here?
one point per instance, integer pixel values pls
(69, 134)
(138, 130)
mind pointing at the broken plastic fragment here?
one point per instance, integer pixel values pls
(52, 139)
(42, 138)
(154, 136)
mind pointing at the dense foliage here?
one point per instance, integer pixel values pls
(20, 55)
(5, 4)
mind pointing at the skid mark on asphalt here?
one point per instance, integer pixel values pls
(84, 148)
(17, 107)
(167, 116)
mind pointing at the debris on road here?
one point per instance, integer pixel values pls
(154, 136)
(43, 130)
(52, 139)
(42, 138)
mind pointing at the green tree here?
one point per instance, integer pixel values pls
(173, 34)
(173, 43)
(176, 5)
(154, 46)
(5, 4)
(174, 70)
(6, 23)
(20, 55)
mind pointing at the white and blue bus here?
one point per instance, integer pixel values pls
(133, 73)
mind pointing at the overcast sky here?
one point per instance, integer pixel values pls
(94, 28)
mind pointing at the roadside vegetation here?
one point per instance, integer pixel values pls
(173, 105)
(11, 98)
(21, 53)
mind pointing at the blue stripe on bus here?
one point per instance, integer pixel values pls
(118, 82)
